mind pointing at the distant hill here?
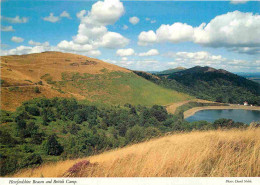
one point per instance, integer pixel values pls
(170, 71)
(251, 76)
(212, 84)
(57, 74)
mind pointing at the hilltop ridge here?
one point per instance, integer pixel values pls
(57, 74)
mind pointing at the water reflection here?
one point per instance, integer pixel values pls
(246, 116)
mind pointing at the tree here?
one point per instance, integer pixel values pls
(159, 112)
(52, 146)
(135, 134)
(37, 90)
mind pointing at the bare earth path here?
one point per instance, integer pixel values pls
(172, 107)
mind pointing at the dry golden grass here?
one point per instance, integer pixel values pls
(26, 70)
(196, 154)
(12, 99)
(106, 83)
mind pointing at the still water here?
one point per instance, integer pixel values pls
(245, 116)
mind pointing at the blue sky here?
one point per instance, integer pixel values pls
(229, 39)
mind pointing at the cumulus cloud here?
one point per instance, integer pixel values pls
(65, 14)
(51, 18)
(20, 50)
(113, 40)
(92, 31)
(203, 58)
(134, 20)
(151, 52)
(7, 28)
(232, 30)
(33, 43)
(125, 52)
(146, 38)
(17, 39)
(15, 20)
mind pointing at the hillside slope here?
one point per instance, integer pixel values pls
(57, 74)
(197, 154)
(210, 84)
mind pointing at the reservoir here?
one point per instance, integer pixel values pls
(238, 115)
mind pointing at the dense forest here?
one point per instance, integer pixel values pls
(44, 130)
(209, 84)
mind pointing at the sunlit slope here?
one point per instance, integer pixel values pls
(197, 154)
(59, 74)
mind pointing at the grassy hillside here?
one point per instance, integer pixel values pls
(58, 74)
(233, 153)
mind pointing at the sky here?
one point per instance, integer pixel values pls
(138, 35)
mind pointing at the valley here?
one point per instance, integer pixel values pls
(59, 106)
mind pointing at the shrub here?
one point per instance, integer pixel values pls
(7, 139)
(152, 132)
(30, 160)
(7, 164)
(37, 90)
(52, 146)
(33, 110)
(135, 134)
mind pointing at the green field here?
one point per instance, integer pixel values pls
(118, 88)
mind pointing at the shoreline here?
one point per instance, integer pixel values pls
(192, 111)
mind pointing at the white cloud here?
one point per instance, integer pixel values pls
(238, 1)
(71, 46)
(247, 50)
(175, 33)
(151, 52)
(125, 27)
(232, 30)
(17, 39)
(146, 38)
(7, 28)
(203, 58)
(31, 42)
(20, 50)
(52, 18)
(113, 40)
(15, 20)
(93, 53)
(125, 52)
(151, 21)
(134, 20)
(92, 31)
(124, 58)
(65, 14)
